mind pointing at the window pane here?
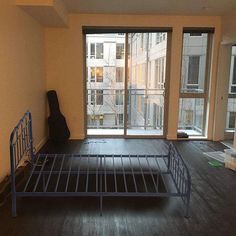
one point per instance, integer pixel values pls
(99, 74)
(104, 116)
(231, 107)
(119, 51)
(232, 120)
(234, 71)
(119, 74)
(92, 50)
(121, 119)
(194, 59)
(193, 70)
(92, 97)
(92, 74)
(191, 116)
(99, 52)
(99, 97)
(119, 97)
(231, 112)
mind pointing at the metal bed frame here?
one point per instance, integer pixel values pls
(100, 176)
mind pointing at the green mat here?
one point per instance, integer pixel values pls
(215, 163)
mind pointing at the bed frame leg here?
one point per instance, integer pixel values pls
(187, 215)
(101, 202)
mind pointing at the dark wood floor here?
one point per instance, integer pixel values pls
(213, 200)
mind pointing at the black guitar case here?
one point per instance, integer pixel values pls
(58, 129)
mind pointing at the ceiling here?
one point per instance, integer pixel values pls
(170, 7)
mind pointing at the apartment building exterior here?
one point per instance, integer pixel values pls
(146, 77)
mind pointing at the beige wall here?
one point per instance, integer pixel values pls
(227, 40)
(65, 61)
(228, 29)
(22, 82)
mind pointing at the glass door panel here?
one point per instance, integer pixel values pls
(146, 83)
(105, 83)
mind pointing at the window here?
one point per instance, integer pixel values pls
(191, 112)
(99, 97)
(194, 77)
(120, 51)
(119, 97)
(160, 72)
(121, 119)
(119, 74)
(96, 50)
(193, 72)
(96, 74)
(92, 97)
(92, 74)
(232, 116)
(99, 51)
(189, 117)
(194, 62)
(233, 79)
(99, 74)
(160, 37)
(157, 38)
(92, 50)
(142, 41)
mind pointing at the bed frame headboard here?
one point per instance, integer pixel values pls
(21, 141)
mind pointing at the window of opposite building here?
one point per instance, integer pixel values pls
(99, 97)
(119, 74)
(96, 74)
(119, 97)
(96, 51)
(193, 72)
(233, 80)
(120, 51)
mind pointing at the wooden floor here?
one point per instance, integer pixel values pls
(213, 200)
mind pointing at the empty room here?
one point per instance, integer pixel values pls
(117, 117)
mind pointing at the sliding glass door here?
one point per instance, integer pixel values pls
(125, 86)
(146, 83)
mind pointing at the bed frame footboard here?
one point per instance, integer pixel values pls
(180, 175)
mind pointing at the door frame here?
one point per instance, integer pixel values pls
(166, 85)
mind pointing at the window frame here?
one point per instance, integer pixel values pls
(95, 56)
(99, 97)
(231, 95)
(199, 94)
(122, 53)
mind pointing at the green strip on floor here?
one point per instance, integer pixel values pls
(215, 163)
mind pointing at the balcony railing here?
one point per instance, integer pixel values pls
(105, 108)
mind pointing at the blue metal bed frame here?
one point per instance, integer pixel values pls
(91, 175)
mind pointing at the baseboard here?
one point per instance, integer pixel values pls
(5, 185)
(79, 136)
(171, 137)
